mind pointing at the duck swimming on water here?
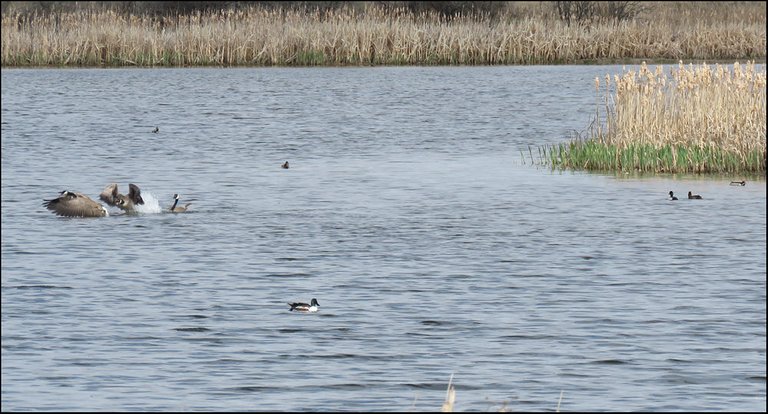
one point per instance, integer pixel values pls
(742, 183)
(672, 196)
(694, 196)
(304, 307)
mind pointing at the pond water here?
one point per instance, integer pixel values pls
(411, 210)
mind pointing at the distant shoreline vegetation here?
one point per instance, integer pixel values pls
(182, 34)
(690, 119)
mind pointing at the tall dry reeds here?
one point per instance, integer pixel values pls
(694, 118)
(377, 36)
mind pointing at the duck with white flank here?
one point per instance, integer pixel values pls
(303, 307)
(694, 196)
(741, 183)
(672, 196)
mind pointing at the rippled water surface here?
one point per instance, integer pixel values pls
(433, 247)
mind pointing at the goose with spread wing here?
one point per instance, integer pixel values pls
(127, 203)
(72, 204)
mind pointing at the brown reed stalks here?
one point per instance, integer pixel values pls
(694, 118)
(261, 37)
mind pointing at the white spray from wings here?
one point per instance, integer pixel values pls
(151, 204)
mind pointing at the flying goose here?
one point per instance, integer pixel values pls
(71, 204)
(178, 209)
(303, 307)
(110, 196)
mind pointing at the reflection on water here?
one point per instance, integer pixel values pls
(408, 212)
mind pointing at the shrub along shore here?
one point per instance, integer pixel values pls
(364, 33)
(693, 119)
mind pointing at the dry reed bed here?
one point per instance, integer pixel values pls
(695, 118)
(258, 37)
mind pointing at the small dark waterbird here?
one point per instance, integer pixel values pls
(156, 130)
(304, 307)
(741, 183)
(672, 196)
(285, 165)
(693, 196)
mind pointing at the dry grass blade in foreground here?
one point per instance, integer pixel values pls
(450, 397)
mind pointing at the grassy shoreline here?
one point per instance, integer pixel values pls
(377, 36)
(695, 120)
(691, 119)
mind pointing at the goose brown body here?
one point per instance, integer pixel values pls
(72, 204)
(179, 209)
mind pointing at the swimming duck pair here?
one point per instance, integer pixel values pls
(691, 196)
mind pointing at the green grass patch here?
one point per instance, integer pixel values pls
(593, 155)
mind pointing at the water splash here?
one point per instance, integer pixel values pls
(151, 204)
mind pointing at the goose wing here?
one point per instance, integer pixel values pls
(71, 204)
(109, 195)
(134, 193)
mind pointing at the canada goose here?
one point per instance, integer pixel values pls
(71, 204)
(110, 196)
(672, 196)
(738, 183)
(285, 165)
(179, 209)
(694, 196)
(156, 130)
(303, 307)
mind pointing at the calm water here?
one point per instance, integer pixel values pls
(408, 212)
